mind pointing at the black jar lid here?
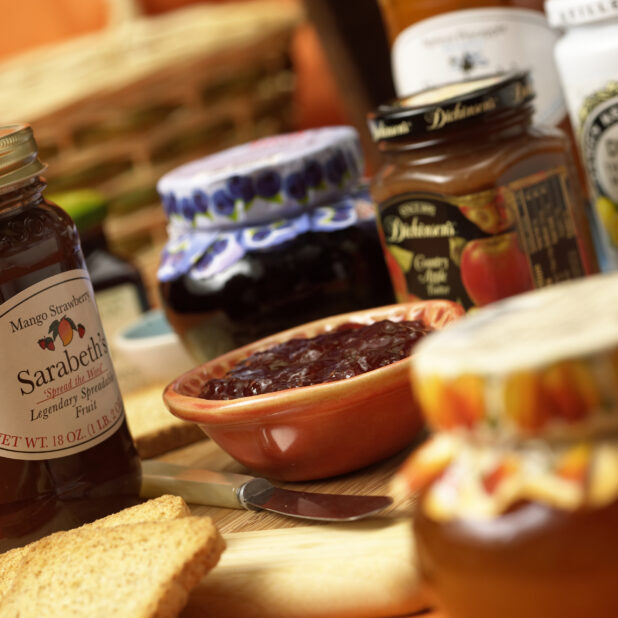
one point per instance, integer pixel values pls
(444, 107)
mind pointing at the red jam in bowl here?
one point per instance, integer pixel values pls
(346, 352)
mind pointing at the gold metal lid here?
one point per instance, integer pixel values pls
(18, 154)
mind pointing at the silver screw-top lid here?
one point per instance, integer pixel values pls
(18, 155)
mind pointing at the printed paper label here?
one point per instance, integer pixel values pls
(59, 390)
(479, 248)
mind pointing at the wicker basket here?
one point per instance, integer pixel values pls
(116, 109)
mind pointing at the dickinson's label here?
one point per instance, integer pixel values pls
(475, 249)
(474, 42)
(59, 391)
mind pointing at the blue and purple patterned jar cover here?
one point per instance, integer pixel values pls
(204, 253)
(263, 180)
(259, 195)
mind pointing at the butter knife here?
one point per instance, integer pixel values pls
(238, 491)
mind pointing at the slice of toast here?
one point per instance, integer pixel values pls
(154, 429)
(141, 570)
(158, 509)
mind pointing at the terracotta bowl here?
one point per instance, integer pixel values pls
(314, 431)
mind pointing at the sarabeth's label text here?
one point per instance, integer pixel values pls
(60, 393)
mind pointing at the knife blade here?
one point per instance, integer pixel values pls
(199, 486)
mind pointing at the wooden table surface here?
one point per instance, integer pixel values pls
(237, 525)
(373, 480)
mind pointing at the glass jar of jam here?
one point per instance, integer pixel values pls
(517, 510)
(266, 236)
(119, 289)
(475, 203)
(66, 455)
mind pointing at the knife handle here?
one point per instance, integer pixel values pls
(196, 486)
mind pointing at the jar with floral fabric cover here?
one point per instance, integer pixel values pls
(517, 489)
(266, 236)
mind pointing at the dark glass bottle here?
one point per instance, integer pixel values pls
(66, 454)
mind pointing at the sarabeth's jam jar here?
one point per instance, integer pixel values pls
(476, 204)
(66, 455)
(517, 510)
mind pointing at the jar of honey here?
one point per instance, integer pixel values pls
(66, 455)
(435, 42)
(475, 202)
(266, 236)
(517, 510)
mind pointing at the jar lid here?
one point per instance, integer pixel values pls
(540, 364)
(438, 109)
(18, 154)
(86, 207)
(202, 254)
(561, 13)
(269, 178)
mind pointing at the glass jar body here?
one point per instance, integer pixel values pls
(40, 495)
(498, 186)
(533, 561)
(585, 57)
(315, 275)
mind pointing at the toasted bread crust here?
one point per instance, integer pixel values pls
(138, 570)
(163, 508)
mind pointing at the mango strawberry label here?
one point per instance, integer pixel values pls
(479, 248)
(57, 379)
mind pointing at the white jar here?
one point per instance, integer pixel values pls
(587, 59)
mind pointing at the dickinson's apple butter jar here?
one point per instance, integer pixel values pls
(517, 510)
(266, 236)
(475, 203)
(66, 455)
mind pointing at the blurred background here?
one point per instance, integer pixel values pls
(120, 91)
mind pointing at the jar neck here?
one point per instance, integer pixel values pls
(482, 133)
(19, 195)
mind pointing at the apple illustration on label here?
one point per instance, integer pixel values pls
(494, 268)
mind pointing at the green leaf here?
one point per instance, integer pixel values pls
(70, 321)
(53, 328)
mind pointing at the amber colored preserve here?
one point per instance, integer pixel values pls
(531, 562)
(476, 203)
(66, 455)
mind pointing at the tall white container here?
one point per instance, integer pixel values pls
(587, 59)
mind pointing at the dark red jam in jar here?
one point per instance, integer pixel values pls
(346, 352)
(66, 455)
(267, 236)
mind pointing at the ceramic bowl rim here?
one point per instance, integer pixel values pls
(259, 407)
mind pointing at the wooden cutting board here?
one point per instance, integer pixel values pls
(280, 567)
